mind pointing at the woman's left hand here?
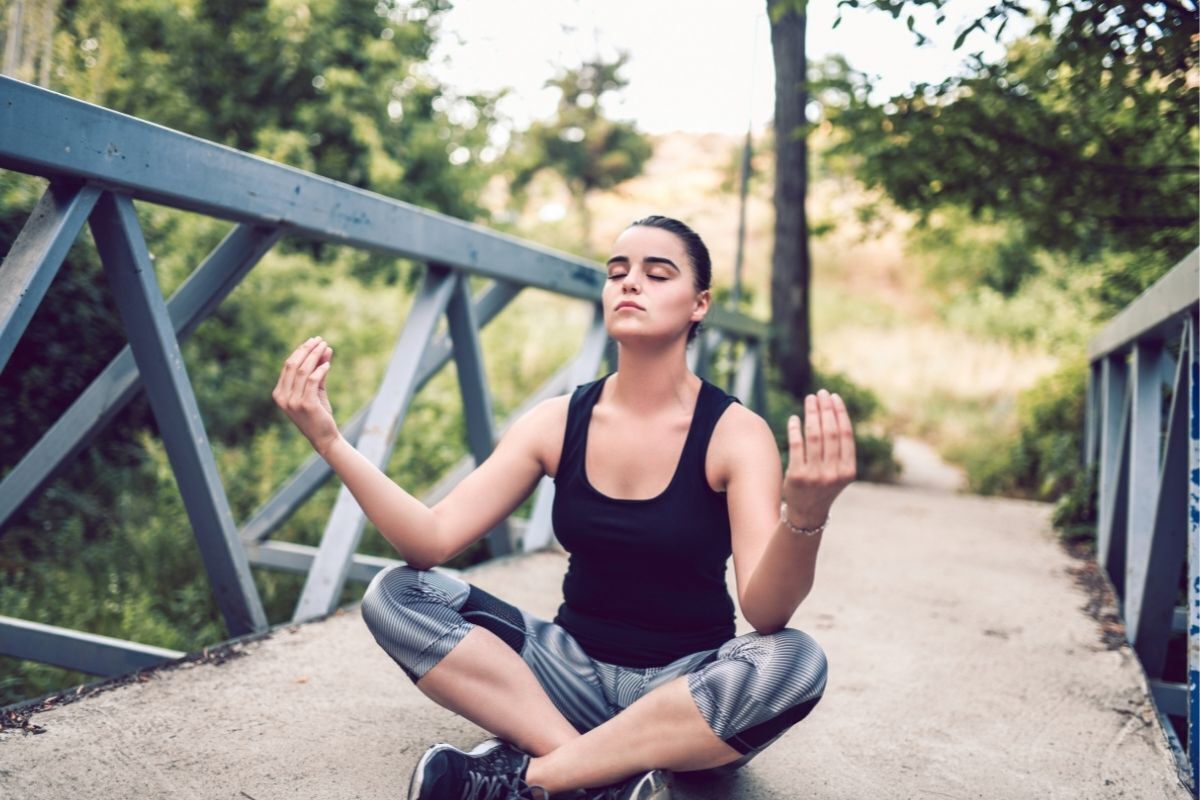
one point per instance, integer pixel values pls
(821, 461)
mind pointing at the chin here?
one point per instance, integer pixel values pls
(643, 338)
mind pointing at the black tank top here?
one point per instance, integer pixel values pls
(645, 582)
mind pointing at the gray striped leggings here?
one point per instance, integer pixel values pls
(750, 690)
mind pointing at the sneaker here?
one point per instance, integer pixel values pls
(493, 770)
(652, 785)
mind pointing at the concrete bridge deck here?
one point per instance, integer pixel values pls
(963, 664)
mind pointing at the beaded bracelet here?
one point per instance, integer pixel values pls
(796, 528)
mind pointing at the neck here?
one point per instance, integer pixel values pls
(649, 380)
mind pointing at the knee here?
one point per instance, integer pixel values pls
(390, 589)
(796, 663)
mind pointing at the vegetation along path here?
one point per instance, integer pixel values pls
(962, 664)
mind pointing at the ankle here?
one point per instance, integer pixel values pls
(537, 776)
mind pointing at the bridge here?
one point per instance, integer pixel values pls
(971, 655)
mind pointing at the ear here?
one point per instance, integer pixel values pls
(703, 301)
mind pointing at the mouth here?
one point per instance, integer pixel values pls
(629, 304)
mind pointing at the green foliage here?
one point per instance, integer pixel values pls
(1087, 134)
(1043, 464)
(1046, 460)
(586, 148)
(1051, 189)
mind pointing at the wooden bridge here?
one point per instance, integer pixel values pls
(970, 655)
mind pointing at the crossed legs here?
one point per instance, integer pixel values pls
(528, 682)
(483, 680)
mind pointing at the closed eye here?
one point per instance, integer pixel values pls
(651, 277)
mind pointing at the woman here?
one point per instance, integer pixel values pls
(660, 477)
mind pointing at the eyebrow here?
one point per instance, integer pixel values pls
(646, 260)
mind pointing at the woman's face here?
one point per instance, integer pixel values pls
(650, 292)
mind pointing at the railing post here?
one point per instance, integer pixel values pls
(473, 388)
(1145, 423)
(1191, 363)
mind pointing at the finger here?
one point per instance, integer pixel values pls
(327, 363)
(287, 379)
(812, 430)
(795, 440)
(311, 359)
(846, 431)
(313, 382)
(830, 441)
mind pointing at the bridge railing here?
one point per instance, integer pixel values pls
(1148, 536)
(99, 162)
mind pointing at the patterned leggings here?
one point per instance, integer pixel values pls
(750, 690)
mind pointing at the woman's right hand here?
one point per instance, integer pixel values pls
(300, 392)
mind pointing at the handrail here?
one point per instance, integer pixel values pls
(1149, 487)
(99, 162)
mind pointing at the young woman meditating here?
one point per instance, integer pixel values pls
(659, 477)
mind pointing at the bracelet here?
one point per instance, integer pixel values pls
(796, 528)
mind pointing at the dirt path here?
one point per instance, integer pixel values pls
(963, 664)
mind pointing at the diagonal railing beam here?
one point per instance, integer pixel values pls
(119, 382)
(323, 587)
(1114, 403)
(473, 388)
(37, 254)
(147, 324)
(313, 473)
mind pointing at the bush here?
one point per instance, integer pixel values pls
(1045, 461)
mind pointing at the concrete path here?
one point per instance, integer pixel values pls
(962, 665)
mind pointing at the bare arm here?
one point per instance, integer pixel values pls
(425, 537)
(775, 567)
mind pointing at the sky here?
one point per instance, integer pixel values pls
(694, 65)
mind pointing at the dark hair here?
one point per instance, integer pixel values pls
(696, 250)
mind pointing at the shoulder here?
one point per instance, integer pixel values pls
(540, 431)
(740, 438)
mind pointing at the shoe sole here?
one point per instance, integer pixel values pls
(418, 778)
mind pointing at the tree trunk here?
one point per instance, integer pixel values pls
(790, 264)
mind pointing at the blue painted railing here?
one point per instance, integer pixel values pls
(99, 163)
(1148, 537)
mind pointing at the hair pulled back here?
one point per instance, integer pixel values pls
(696, 249)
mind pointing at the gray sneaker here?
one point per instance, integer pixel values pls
(492, 770)
(652, 785)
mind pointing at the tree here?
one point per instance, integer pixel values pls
(586, 148)
(1085, 132)
(790, 262)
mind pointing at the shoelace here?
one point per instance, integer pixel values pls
(498, 787)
